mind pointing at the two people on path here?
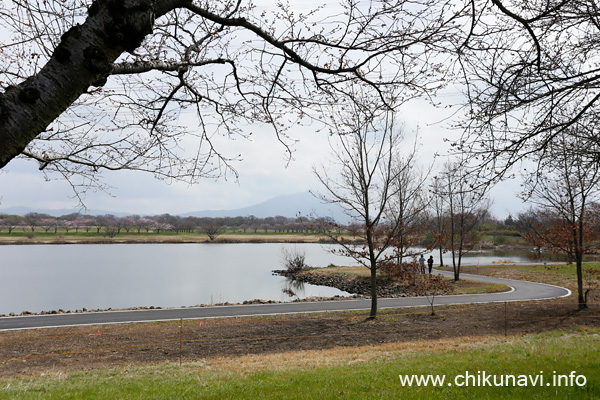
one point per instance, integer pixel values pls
(422, 264)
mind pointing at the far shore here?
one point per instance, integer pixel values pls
(133, 238)
(42, 238)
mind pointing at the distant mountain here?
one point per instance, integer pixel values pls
(290, 206)
(57, 212)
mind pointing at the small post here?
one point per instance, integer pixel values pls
(505, 319)
(180, 340)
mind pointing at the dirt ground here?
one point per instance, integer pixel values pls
(55, 350)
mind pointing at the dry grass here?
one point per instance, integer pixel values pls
(350, 272)
(247, 364)
(463, 286)
(162, 238)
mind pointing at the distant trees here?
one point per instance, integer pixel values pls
(36, 222)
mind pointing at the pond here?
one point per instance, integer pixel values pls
(70, 277)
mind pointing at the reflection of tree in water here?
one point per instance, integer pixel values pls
(293, 287)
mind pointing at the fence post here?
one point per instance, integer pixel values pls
(180, 340)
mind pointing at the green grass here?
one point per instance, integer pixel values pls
(552, 273)
(560, 270)
(370, 375)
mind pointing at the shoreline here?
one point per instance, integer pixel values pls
(354, 286)
(193, 239)
(24, 241)
(141, 308)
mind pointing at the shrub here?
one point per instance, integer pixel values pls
(293, 259)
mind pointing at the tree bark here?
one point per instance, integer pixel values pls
(83, 58)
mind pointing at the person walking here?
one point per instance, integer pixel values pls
(422, 264)
(430, 263)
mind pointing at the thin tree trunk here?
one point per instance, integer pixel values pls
(373, 313)
(580, 294)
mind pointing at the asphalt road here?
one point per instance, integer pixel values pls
(520, 290)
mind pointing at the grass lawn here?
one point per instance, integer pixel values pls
(551, 273)
(370, 372)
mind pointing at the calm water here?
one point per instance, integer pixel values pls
(50, 277)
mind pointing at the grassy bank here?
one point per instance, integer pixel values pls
(152, 237)
(351, 373)
(552, 273)
(463, 286)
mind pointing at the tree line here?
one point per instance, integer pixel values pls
(113, 225)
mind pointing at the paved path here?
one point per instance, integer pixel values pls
(520, 290)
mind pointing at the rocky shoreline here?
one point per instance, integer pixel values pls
(360, 287)
(255, 301)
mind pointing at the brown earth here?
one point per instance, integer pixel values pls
(55, 350)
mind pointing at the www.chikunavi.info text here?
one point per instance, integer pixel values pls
(482, 378)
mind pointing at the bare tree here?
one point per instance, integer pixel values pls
(531, 70)
(213, 228)
(361, 181)
(438, 227)
(293, 258)
(407, 208)
(152, 85)
(465, 208)
(568, 193)
(10, 222)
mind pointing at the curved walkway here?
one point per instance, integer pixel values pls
(520, 290)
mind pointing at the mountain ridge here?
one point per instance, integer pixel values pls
(287, 205)
(290, 206)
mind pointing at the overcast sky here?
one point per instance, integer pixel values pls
(264, 173)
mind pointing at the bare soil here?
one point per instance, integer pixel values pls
(56, 350)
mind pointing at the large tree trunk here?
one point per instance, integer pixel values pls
(83, 58)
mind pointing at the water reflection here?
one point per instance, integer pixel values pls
(70, 277)
(294, 288)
